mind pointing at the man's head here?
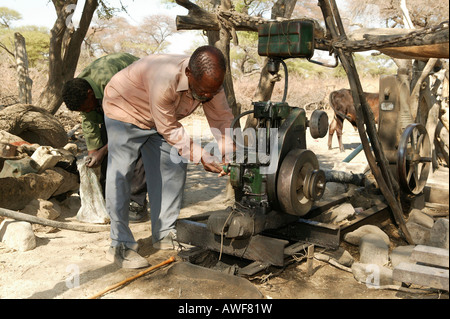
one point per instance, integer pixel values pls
(206, 72)
(78, 95)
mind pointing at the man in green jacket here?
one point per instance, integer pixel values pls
(84, 94)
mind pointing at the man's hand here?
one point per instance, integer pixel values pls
(213, 164)
(94, 160)
(95, 157)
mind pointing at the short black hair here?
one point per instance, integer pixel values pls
(201, 62)
(75, 93)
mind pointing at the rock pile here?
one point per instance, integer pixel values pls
(31, 178)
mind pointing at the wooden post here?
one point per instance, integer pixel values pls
(24, 82)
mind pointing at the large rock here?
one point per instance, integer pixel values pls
(419, 233)
(401, 254)
(333, 189)
(420, 218)
(439, 233)
(337, 214)
(42, 209)
(373, 250)
(17, 235)
(372, 275)
(355, 236)
(16, 193)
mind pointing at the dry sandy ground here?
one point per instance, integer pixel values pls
(69, 264)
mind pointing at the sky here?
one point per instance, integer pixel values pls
(42, 13)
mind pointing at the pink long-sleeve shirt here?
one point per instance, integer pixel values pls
(153, 92)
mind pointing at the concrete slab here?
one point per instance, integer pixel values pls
(437, 188)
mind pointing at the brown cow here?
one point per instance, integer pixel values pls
(341, 102)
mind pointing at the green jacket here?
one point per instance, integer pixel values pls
(98, 74)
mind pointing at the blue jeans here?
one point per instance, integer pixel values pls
(165, 179)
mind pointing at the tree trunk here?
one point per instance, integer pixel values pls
(33, 124)
(24, 81)
(65, 47)
(221, 40)
(284, 9)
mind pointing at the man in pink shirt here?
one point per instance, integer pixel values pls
(143, 105)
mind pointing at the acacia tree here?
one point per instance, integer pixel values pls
(422, 13)
(108, 36)
(65, 46)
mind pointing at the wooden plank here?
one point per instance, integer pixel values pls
(430, 255)
(421, 275)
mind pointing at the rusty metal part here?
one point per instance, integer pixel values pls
(318, 124)
(313, 232)
(316, 185)
(294, 185)
(257, 248)
(414, 158)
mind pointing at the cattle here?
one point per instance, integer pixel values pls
(341, 102)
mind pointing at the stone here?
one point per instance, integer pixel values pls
(373, 250)
(7, 137)
(355, 236)
(337, 214)
(72, 203)
(41, 208)
(46, 157)
(46, 210)
(342, 212)
(70, 181)
(72, 148)
(341, 256)
(17, 235)
(419, 217)
(334, 189)
(401, 254)
(439, 233)
(419, 234)
(372, 275)
(17, 192)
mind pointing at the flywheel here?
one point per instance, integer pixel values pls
(414, 158)
(300, 182)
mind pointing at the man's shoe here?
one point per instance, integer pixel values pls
(167, 243)
(125, 257)
(138, 213)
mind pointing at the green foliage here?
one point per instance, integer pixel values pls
(37, 41)
(8, 15)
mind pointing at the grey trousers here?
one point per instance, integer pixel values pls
(165, 179)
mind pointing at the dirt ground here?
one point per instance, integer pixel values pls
(71, 265)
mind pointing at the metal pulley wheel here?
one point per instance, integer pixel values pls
(316, 185)
(300, 182)
(414, 158)
(318, 124)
